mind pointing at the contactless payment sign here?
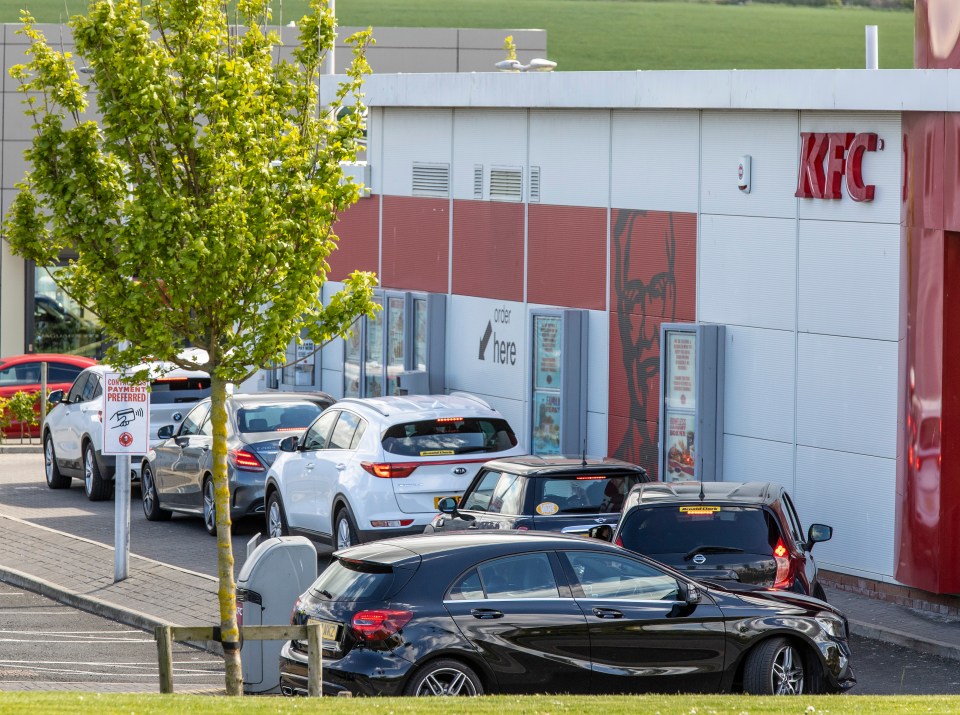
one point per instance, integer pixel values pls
(126, 416)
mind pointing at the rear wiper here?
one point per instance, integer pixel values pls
(712, 550)
(327, 594)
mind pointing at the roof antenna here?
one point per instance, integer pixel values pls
(584, 457)
(701, 490)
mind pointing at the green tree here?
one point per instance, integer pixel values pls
(21, 406)
(201, 205)
(5, 418)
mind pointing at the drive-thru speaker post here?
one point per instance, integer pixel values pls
(126, 431)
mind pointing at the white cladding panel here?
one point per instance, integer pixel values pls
(572, 149)
(748, 271)
(512, 410)
(488, 137)
(413, 135)
(771, 140)
(497, 374)
(597, 444)
(598, 363)
(374, 157)
(882, 168)
(847, 394)
(748, 460)
(758, 392)
(655, 158)
(863, 536)
(850, 279)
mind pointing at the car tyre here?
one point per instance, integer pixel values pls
(151, 499)
(444, 677)
(344, 533)
(55, 480)
(95, 486)
(209, 507)
(775, 667)
(276, 517)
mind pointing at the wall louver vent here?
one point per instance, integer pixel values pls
(431, 180)
(478, 181)
(506, 184)
(534, 184)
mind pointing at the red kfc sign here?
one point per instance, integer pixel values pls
(826, 158)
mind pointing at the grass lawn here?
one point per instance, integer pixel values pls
(56, 703)
(628, 34)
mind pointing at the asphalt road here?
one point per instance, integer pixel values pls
(881, 668)
(47, 646)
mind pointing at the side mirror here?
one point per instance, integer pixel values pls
(289, 444)
(603, 532)
(689, 593)
(817, 533)
(448, 505)
(166, 432)
(55, 397)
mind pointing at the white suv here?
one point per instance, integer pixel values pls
(376, 467)
(73, 431)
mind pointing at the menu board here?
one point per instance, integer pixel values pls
(546, 422)
(680, 446)
(546, 366)
(680, 388)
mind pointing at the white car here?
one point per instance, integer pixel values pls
(73, 431)
(376, 467)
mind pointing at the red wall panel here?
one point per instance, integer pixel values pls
(416, 245)
(566, 256)
(653, 269)
(358, 249)
(488, 249)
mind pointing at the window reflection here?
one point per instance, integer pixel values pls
(60, 325)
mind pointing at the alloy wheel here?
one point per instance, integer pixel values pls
(147, 489)
(274, 520)
(344, 538)
(787, 672)
(209, 507)
(446, 682)
(48, 459)
(88, 470)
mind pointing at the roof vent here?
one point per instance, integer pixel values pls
(478, 181)
(535, 184)
(506, 184)
(431, 179)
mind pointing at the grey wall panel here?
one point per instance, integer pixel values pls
(847, 394)
(598, 362)
(856, 495)
(413, 135)
(747, 271)
(758, 395)
(746, 460)
(655, 158)
(771, 140)
(332, 381)
(486, 137)
(849, 281)
(597, 444)
(14, 164)
(389, 60)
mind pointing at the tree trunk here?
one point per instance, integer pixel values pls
(227, 592)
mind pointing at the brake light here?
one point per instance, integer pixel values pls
(293, 613)
(239, 614)
(99, 415)
(242, 459)
(449, 419)
(389, 523)
(390, 470)
(590, 479)
(784, 577)
(619, 540)
(380, 624)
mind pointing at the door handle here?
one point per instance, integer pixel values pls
(607, 613)
(309, 465)
(485, 614)
(341, 467)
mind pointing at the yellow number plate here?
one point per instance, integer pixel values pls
(328, 631)
(436, 501)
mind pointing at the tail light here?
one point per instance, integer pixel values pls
(781, 555)
(99, 415)
(380, 624)
(293, 613)
(242, 459)
(390, 470)
(619, 540)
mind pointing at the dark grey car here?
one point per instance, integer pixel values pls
(177, 474)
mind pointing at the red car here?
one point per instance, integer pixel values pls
(21, 373)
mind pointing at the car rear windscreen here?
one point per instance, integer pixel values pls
(283, 417)
(680, 529)
(449, 436)
(169, 390)
(585, 493)
(345, 580)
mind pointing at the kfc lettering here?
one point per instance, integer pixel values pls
(843, 153)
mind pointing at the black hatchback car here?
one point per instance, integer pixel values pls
(548, 493)
(525, 612)
(729, 531)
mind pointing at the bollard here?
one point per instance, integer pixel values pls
(314, 661)
(164, 635)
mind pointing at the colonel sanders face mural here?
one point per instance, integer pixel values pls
(653, 273)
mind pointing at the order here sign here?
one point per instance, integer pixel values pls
(126, 416)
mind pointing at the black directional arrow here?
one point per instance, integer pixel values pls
(485, 340)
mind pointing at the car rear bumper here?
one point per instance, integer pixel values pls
(366, 535)
(108, 465)
(359, 672)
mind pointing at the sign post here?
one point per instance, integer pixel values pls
(126, 431)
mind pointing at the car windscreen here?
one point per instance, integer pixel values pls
(281, 417)
(583, 493)
(345, 580)
(169, 390)
(449, 436)
(680, 529)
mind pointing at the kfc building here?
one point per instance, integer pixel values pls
(533, 232)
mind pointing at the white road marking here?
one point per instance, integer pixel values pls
(76, 642)
(66, 633)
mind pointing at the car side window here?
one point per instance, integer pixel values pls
(522, 576)
(77, 389)
(508, 495)
(24, 373)
(358, 434)
(479, 498)
(90, 389)
(466, 588)
(316, 436)
(603, 575)
(794, 519)
(193, 420)
(346, 427)
(62, 373)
